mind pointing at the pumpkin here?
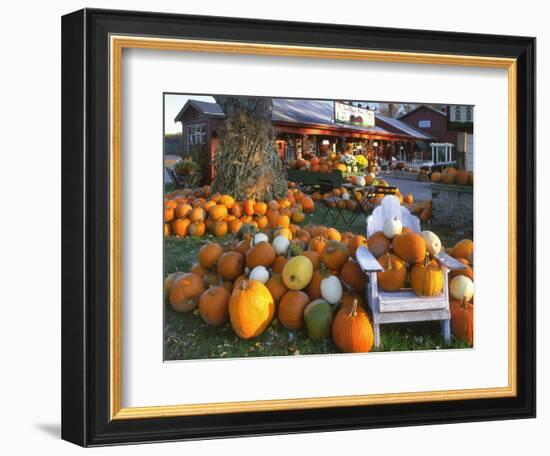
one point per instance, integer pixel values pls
(463, 248)
(334, 255)
(180, 227)
(307, 204)
(281, 245)
(230, 265)
(197, 214)
(185, 292)
(436, 177)
(249, 207)
(291, 309)
(313, 289)
(211, 279)
(462, 177)
(260, 237)
(392, 227)
(467, 271)
(243, 246)
(462, 320)
(378, 244)
(197, 229)
(168, 214)
(247, 230)
(355, 242)
(360, 181)
(279, 264)
(331, 289)
(298, 272)
(426, 278)
(353, 276)
(461, 287)
(352, 330)
(410, 247)
(251, 309)
(167, 229)
(169, 280)
(209, 254)
(349, 297)
(408, 199)
(198, 269)
(332, 234)
(217, 212)
(317, 244)
(260, 208)
(259, 273)
(433, 243)
(318, 319)
(276, 287)
(214, 305)
(228, 201)
(394, 276)
(262, 254)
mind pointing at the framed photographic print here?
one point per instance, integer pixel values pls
(269, 227)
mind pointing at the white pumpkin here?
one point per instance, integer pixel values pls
(461, 287)
(345, 196)
(392, 227)
(331, 289)
(360, 181)
(260, 237)
(281, 245)
(354, 169)
(372, 175)
(348, 169)
(260, 274)
(433, 243)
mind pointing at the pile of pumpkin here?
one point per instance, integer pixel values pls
(319, 164)
(311, 281)
(423, 210)
(194, 213)
(408, 258)
(451, 176)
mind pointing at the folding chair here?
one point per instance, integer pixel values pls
(327, 185)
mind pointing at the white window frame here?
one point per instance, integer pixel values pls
(196, 134)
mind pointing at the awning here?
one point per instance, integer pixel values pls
(422, 145)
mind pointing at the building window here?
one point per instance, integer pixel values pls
(424, 123)
(196, 134)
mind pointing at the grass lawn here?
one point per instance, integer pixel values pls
(188, 337)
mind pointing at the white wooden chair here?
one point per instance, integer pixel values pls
(404, 305)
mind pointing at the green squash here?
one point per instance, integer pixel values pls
(247, 228)
(318, 319)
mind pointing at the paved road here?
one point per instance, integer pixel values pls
(420, 190)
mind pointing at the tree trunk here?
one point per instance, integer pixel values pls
(247, 164)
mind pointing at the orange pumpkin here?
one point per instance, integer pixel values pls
(317, 244)
(185, 292)
(235, 226)
(462, 320)
(410, 247)
(230, 265)
(298, 216)
(291, 309)
(307, 204)
(167, 229)
(332, 234)
(355, 242)
(217, 212)
(467, 271)
(313, 289)
(209, 254)
(182, 210)
(314, 257)
(197, 229)
(276, 287)
(334, 255)
(352, 275)
(352, 330)
(180, 227)
(214, 306)
(251, 309)
(426, 278)
(349, 297)
(394, 276)
(237, 210)
(197, 214)
(378, 244)
(260, 208)
(219, 228)
(198, 269)
(462, 177)
(168, 214)
(278, 265)
(228, 201)
(463, 248)
(262, 254)
(249, 207)
(282, 221)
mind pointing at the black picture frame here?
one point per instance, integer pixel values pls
(85, 223)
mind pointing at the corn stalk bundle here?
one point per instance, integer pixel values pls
(246, 162)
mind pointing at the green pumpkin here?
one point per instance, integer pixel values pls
(247, 228)
(318, 319)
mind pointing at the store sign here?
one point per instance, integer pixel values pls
(346, 114)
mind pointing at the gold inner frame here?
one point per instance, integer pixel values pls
(117, 44)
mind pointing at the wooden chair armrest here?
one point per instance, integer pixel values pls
(367, 261)
(449, 262)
